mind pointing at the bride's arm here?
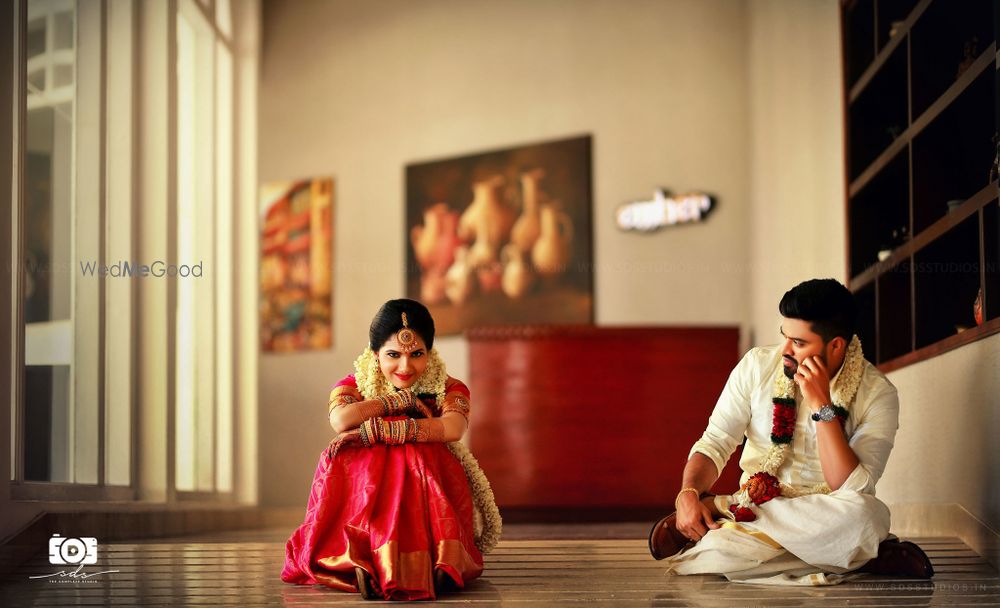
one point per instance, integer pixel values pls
(449, 427)
(347, 414)
(454, 419)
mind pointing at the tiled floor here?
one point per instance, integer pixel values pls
(589, 565)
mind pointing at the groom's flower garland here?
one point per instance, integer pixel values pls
(372, 384)
(764, 485)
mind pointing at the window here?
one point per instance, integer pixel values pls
(87, 213)
(204, 224)
(60, 440)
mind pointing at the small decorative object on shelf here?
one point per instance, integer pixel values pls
(894, 28)
(977, 308)
(954, 204)
(971, 48)
(899, 236)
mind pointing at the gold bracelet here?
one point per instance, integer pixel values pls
(695, 490)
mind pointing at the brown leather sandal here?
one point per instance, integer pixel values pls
(665, 540)
(899, 558)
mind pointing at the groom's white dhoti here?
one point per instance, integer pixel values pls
(807, 540)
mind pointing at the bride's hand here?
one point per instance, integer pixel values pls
(419, 409)
(345, 439)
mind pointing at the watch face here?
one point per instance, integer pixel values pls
(826, 413)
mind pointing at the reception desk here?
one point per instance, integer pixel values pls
(594, 421)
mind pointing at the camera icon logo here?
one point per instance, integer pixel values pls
(72, 551)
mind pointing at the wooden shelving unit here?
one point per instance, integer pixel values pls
(921, 119)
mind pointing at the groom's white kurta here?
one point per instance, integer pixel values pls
(810, 540)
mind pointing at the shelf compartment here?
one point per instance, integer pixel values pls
(985, 62)
(895, 312)
(859, 38)
(946, 281)
(877, 211)
(878, 117)
(865, 298)
(939, 41)
(953, 154)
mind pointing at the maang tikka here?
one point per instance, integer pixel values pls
(406, 337)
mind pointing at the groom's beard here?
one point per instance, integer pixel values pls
(790, 369)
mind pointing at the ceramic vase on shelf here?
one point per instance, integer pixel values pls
(551, 251)
(529, 225)
(977, 308)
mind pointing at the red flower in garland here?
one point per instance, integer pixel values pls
(783, 424)
(742, 513)
(762, 487)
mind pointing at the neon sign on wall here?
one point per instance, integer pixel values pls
(663, 210)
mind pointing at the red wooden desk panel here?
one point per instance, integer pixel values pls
(572, 417)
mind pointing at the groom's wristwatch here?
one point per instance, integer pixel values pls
(825, 414)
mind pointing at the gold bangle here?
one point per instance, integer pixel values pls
(695, 490)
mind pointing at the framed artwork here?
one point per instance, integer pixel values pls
(502, 237)
(296, 251)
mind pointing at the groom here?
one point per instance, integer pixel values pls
(819, 423)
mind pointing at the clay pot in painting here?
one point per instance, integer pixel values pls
(483, 251)
(518, 277)
(458, 279)
(432, 286)
(435, 241)
(529, 225)
(490, 275)
(487, 215)
(551, 251)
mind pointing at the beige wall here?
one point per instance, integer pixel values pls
(949, 424)
(796, 160)
(361, 89)
(950, 405)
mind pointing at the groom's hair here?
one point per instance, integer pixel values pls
(826, 304)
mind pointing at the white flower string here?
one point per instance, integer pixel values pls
(487, 523)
